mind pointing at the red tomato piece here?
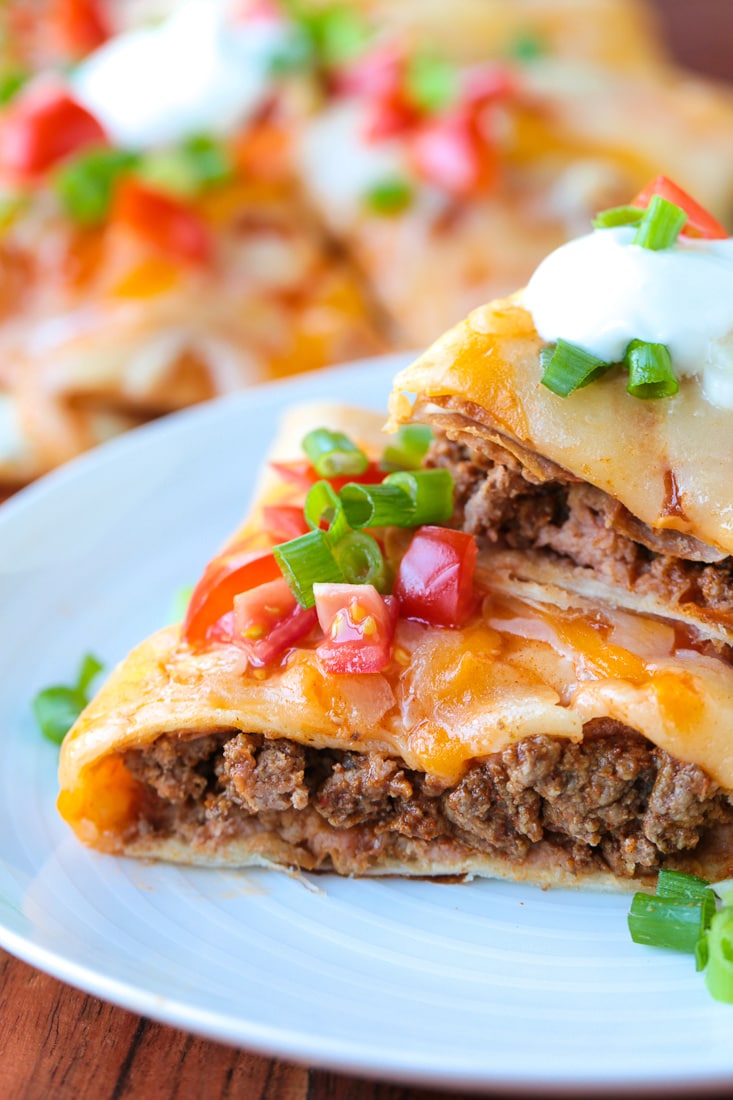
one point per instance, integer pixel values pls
(304, 475)
(42, 127)
(699, 222)
(170, 225)
(389, 116)
(224, 578)
(284, 521)
(435, 578)
(82, 25)
(378, 73)
(453, 153)
(359, 626)
(268, 620)
(489, 83)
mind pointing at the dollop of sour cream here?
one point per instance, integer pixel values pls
(198, 71)
(601, 291)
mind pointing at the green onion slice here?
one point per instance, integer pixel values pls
(410, 446)
(666, 922)
(567, 368)
(361, 560)
(305, 560)
(376, 506)
(389, 196)
(650, 370)
(334, 33)
(661, 225)
(180, 602)
(719, 970)
(618, 215)
(431, 82)
(676, 884)
(198, 163)
(323, 505)
(430, 492)
(86, 184)
(527, 46)
(12, 205)
(332, 454)
(57, 708)
(11, 82)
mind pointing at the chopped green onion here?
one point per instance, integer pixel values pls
(527, 47)
(332, 454)
(11, 81)
(187, 170)
(409, 448)
(666, 922)
(12, 205)
(361, 560)
(650, 370)
(86, 184)
(210, 159)
(305, 560)
(323, 505)
(294, 53)
(389, 196)
(618, 215)
(676, 884)
(661, 225)
(180, 602)
(719, 970)
(57, 708)
(430, 493)
(376, 506)
(567, 368)
(335, 33)
(431, 83)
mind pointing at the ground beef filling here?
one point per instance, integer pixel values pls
(500, 502)
(612, 801)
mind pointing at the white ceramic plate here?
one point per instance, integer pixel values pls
(487, 984)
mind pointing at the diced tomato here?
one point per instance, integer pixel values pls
(699, 222)
(377, 73)
(435, 577)
(170, 225)
(489, 83)
(268, 620)
(452, 152)
(42, 127)
(284, 521)
(359, 626)
(304, 475)
(82, 25)
(224, 578)
(389, 116)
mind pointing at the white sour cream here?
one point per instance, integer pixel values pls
(196, 72)
(341, 165)
(600, 291)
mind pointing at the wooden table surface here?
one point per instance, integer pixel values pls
(59, 1044)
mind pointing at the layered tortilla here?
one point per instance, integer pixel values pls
(554, 738)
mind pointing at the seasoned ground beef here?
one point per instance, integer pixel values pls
(503, 503)
(612, 800)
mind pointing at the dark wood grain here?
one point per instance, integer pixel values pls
(56, 1043)
(59, 1044)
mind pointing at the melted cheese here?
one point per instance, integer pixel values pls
(670, 462)
(518, 669)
